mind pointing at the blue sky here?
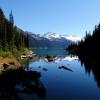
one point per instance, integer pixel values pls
(72, 17)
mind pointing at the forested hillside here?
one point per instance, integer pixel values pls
(11, 37)
(89, 46)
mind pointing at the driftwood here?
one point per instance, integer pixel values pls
(65, 68)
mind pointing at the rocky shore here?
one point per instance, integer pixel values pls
(7, 63)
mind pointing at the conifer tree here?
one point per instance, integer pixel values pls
(11, 37)
(11, 20)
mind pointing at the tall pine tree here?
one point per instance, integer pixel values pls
(11, 37)
(11, 20)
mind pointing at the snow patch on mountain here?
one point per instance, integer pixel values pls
(73, 38)
(51, 35)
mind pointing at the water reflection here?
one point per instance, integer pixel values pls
(64, 73)
(50, 58)
(14, 83)
(60, 58)
(59, 62)
(92, 64)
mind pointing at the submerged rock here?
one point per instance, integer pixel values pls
(50, 58)
(59, 67)
(44, 69)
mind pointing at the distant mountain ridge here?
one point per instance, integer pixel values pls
(51, 35)
(52, 40)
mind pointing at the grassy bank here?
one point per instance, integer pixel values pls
(11, 59)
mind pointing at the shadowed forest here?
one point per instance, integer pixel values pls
(11, 37)
(89, 47)
(88, 51)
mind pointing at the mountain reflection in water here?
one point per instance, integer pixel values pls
(62, 76)
(66, 74)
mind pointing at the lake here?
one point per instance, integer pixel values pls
(63, 84)
(54, 52)
(56, 76)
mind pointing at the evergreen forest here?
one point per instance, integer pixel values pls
(11, 37)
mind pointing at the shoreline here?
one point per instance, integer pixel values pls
(13, 63)
(9, 63)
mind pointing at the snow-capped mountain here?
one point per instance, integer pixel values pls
(51, 36)
(52, 40)
(72, 38)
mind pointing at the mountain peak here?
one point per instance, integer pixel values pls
(51, 35)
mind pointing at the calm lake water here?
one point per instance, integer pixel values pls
(54, 52)
(60, 83)
(60, 77)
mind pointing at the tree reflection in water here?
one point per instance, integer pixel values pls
(92, 64)
(17, 82)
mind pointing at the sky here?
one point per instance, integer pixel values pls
(71, 17)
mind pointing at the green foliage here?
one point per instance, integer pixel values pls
(24, 62)
(16, 53)
(5, 54)
(11, 37)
